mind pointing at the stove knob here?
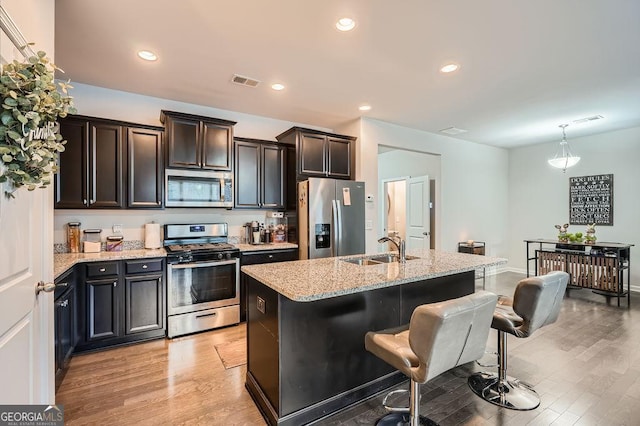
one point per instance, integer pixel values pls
(219, 255)
(228, 256)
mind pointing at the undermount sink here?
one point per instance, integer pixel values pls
(361, 261)
(377, 260)
(388, 258)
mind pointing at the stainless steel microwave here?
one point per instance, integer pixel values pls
(198, 188)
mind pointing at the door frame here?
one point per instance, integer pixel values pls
(382, 208)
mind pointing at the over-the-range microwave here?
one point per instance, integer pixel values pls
(198, 188)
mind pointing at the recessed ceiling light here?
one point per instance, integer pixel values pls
(147, 55)
(449, 68)
(345, 24)
(453, 131)
(277, 86)
(364, 107)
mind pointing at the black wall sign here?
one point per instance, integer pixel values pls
(591, 200)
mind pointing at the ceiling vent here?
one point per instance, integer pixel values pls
(587, 119)
(244, 81)
(453, 131)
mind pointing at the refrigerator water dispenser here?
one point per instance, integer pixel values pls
(323, 235)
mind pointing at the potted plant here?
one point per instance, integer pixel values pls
(32, 102)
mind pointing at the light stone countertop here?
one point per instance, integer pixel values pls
(315, 279)
(64, 261)
(264, 247)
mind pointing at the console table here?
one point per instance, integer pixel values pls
(598, 266)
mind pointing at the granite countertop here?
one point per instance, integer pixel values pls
(315, 279)
(64, 261)
(262, 247)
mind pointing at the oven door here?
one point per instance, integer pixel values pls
(203, 285)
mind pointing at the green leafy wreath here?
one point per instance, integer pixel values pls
(32, 102)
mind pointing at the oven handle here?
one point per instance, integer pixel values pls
(201, 264)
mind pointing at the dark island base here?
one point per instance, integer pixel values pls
(306, 360)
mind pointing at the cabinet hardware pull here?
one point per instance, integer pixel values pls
(206, 315)
(270, 256)
(144, 266)
(102, 269)
(62, 285)
(92, 202)
(65, 303)
(84, 201)
(115, 283)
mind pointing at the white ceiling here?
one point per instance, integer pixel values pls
(526, 66)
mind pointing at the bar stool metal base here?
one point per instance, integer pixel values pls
(401, 419)
(511, 393)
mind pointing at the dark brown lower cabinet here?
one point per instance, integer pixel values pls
(259, 257)
(123, 302)
(143, 304)
(65, 319)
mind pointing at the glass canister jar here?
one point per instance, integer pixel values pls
(73, 237)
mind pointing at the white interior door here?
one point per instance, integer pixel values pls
(26, 320)
(417, 223)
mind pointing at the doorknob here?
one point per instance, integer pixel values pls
(47, 288)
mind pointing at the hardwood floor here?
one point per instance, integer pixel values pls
(586, 368)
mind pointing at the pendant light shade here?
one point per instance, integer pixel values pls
(564, 158)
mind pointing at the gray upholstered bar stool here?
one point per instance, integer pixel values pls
(536, 302)
(440, 336)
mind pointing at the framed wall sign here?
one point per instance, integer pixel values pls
(591, 200)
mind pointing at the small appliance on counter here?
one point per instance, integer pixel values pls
(276, 225)
(92, 240)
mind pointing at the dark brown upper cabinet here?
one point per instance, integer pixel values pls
(320, 154)
(196, 142)
(92, 165)
(145, 171)
(109, 164)
(259, 174)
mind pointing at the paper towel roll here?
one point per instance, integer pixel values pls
(152, 236)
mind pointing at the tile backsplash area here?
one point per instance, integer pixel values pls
(132, 222)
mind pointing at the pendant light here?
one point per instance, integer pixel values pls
(564, 158)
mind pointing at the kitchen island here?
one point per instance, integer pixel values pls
(306, 322)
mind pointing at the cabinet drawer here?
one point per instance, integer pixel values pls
(269, 256)
(142, 266)
(102, 269)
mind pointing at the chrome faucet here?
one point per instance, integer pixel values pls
(400, 245)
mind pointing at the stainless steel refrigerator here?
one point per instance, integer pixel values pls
(330, 218)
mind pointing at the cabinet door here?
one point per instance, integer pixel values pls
(183, 145)
(216, 146)
(144, 303)
(71, 180)
(247, 174)
(106, 171)
(273, 176)
(145, 168)
(339, 156)
(103, 299)
(312, 155)
(65, 331)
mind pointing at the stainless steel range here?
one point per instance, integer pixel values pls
(203, 278)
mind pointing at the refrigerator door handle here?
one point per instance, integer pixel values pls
(338, 228)
(335, 225)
